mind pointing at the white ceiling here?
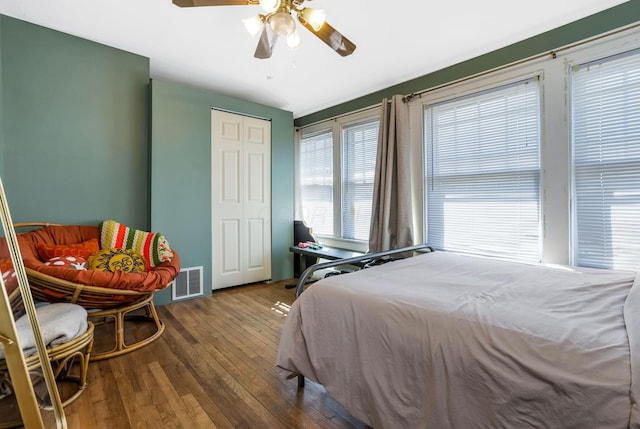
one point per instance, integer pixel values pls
(208, 47)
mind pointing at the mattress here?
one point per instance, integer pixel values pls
(443, 340)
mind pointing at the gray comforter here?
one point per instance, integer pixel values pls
(450, 341)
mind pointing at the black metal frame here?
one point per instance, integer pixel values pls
(356, 260)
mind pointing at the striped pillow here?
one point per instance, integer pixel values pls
(152, 246)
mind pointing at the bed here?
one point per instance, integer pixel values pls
(443, 340)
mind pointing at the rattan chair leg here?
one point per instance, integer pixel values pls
(120, 316)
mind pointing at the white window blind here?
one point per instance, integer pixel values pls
(605, 97)
(483, 172)
(316, 176)
(359, 143)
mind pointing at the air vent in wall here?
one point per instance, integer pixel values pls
(188, 283)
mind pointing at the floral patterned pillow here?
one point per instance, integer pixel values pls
(77, 263)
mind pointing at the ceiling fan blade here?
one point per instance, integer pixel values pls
(265, 48)
(331, 37)
(191, 3)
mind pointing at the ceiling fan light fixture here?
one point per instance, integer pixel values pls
(293, 40)
(279, 16)
(270, 6)
(282, 23)
(315, 17)
(254, 24)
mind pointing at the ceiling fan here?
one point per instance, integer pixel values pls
(277, 20)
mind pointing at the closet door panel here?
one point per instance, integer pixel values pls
(241, 199)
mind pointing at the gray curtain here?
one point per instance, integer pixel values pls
(391, 215)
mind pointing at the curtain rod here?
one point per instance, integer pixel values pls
(335, 118)
(553, 54)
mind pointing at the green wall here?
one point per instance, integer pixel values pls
(85, 136)
(610, 19)
(181, 173)
(75, 143)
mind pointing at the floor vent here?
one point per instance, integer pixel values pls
(188, 283)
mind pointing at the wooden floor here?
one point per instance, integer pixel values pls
(214, 367)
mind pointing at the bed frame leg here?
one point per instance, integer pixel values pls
(300, 381)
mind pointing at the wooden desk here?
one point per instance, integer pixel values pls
(329, 253)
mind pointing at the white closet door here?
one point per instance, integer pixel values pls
(241, 199)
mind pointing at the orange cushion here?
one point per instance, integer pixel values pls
(80, 250)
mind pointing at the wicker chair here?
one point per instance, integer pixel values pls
(69, 361)
(62, 358)
(110, 298)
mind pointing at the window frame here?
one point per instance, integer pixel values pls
(488, 87)
(619, 42)
(336, 126)
(609, 49)
(299, 173)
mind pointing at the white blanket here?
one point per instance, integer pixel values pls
(451, 341)
(59, 323)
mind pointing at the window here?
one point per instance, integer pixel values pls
(605, 117)
(336, 162)
(316, 181)
(483, 172)
(539, 160)
(358, 169)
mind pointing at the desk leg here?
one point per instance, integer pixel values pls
(302, 263)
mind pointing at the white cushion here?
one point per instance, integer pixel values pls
(59, 323)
